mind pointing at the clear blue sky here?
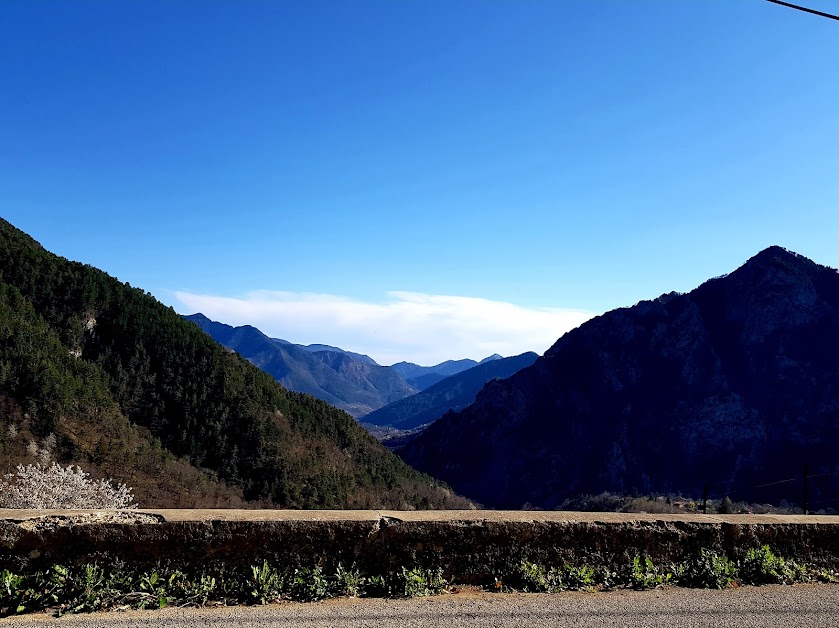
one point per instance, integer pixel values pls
(550, 154)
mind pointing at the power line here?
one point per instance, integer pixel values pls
(805, 9)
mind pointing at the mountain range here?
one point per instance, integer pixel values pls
(422, 377)
(355, 385)
(316, 348)
(733, 386)
(452, 393)
(351, 381)
(98, 373)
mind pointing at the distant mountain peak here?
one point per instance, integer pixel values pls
(775, 255)
(494, 356)
(198, 316)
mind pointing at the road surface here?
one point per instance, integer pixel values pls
(747, 607)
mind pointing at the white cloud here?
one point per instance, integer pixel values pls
(421, 328)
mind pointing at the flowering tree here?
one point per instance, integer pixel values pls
(54, 486)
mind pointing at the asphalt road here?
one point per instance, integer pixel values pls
(752, 607)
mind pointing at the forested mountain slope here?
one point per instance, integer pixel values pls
(128, 386)
(734, 385)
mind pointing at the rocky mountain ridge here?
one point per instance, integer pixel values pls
(734, 385)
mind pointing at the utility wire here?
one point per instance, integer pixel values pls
(805, 9)
(774, 483)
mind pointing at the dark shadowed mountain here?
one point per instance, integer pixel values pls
(97, 373)
(422, 377)
(452, 393)
(336, 377)
(735, 384)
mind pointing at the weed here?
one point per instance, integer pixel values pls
(155, 589)
(348, 581)
(532, 578)
(579, 578)
(92, 587)
(423, 582)
(606, 578)
(265, 584)
(821, 574)
(708, 570)
(200, 591)
(644, 574)
(762, 566)
(308, 585)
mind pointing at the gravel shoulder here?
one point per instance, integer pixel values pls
(746, 607)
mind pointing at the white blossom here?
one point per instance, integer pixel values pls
(47, 487)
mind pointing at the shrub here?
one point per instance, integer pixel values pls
(54, 486)
(726, 507)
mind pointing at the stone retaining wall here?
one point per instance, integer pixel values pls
(470, 546)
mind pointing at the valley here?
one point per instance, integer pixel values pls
(718, 392)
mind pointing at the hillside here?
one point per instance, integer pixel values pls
(734, 385)
(99, 373)
(452, 393)
(354, 385)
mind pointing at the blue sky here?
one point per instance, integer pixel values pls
(419, 180)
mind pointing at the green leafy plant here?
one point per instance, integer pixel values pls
(707, 570)
(606, 578)
(308, 585)
(90, 591)
(423, 582)
(155, 589)
(532, 577)
(762, 566)
(829, 576)
(579, 578)
(348, 581)
(265, 584)
(12, 587)
(644, 574)
(535, 578)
